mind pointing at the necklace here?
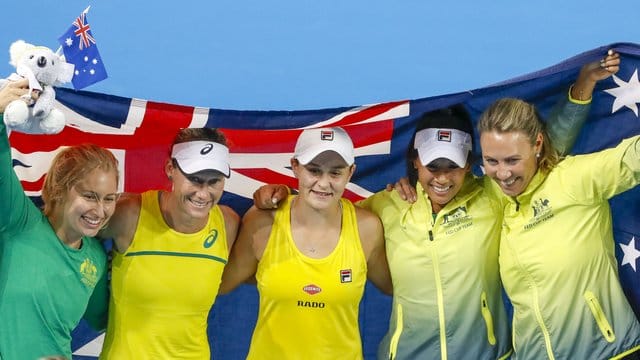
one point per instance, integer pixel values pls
(312, 249)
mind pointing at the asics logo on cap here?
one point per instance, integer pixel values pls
(206, 149)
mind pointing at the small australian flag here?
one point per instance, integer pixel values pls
(79, 47)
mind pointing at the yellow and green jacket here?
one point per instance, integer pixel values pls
(447, 294)
(557, 260)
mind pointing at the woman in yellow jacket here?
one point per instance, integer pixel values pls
(443, 249)
(557, 259)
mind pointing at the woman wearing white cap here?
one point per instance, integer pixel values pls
(311, 258)
(158, 308)
(443, 249)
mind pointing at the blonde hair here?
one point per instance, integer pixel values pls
(70, 166)
(515, 115)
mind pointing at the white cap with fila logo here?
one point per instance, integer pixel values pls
(451, 144)
(313, 142)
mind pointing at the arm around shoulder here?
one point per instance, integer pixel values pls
(124, 222)
(373, 245)
(231, 224)
(247, 249)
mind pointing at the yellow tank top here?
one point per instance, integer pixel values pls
(309, 307)
(163, 287)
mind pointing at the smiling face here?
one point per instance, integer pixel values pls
(195, 194)
(322, 181)
(88, 205)
(510, 159)
(79, 191)
(441, 179)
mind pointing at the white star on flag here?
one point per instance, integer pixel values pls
(631, 254)
(626, 94)
(69, 42)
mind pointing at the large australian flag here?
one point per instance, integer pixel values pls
(139, 132)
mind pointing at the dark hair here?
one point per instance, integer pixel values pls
(199, 134)
(452, 117)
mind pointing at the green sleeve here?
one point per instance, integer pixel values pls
(565, 122)
(97, 308)
(16, 209)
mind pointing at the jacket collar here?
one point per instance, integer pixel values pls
(525, 197)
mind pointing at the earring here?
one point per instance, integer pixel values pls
(537, 155)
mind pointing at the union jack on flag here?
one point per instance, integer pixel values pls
(261, 143)
(79, 47)
(83, 31)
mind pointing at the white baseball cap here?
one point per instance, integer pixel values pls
(451, 144)
(194, 156)
(313, 142)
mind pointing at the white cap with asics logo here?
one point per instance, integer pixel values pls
(195, 156)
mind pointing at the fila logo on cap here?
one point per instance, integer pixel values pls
(326, 135)
(206, 149)
(444, 135)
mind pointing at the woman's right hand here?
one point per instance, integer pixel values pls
(405, 190)
(269, 196)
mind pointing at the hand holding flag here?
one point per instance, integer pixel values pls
(79, 47)
(139, 132)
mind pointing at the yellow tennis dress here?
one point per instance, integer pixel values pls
(163, 287)
(309, 307)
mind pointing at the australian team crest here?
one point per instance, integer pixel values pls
(542, 211)
(89, 273)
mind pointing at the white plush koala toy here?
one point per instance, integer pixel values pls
(44, 69)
